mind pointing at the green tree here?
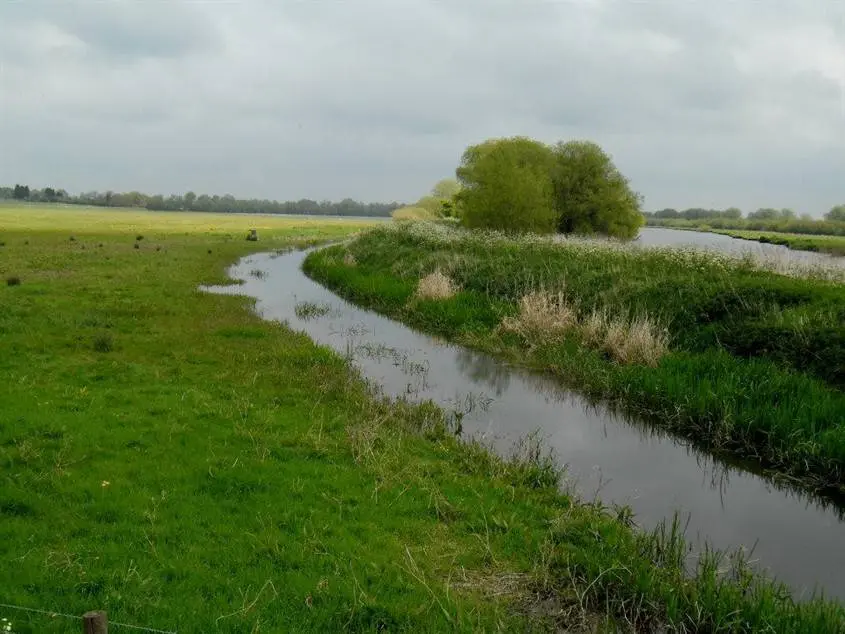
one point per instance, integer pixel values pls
(836, 214)
(190, 198)
(765, 213)
(506, 184)
(21, 192)
(446, 188)
(591, 195)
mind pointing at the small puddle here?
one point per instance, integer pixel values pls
(798, 538)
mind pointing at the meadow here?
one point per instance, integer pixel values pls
(740, 359)
(171, 458)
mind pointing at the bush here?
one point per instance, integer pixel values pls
(13, 280)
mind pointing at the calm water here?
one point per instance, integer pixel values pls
(798, 538)
(660, 237)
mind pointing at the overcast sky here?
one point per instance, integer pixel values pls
(701, 103)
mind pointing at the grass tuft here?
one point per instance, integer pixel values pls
(544, 316)
(13, 280)
(103, 342)
(311, 310)
(436, 285)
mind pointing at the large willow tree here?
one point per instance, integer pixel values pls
(505, 185)
(519, 184)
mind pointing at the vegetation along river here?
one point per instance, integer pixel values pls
(797, 537)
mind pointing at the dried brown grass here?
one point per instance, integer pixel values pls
(547, 317)
(436, 285)
(542, 315)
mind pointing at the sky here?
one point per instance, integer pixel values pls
(710, 103)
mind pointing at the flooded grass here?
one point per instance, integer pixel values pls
(739, 359)
(310, 310)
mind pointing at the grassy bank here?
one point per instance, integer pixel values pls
(754, 364)
(169, 457)
(834, 245)
(795, 225)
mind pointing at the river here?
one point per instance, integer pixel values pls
(794, 536)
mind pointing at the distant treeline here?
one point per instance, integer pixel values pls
(734, 213)
(203, 202)
(764, 219)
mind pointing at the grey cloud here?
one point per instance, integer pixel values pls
(124, 29)
(714, 104)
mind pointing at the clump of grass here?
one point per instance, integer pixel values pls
(436, 285)
(72, 239)
(139, 237)
(542, 315)
(546, 317)
(136, 245)
(104, 342)
(311, 310)
(13, 280)
(642, 341)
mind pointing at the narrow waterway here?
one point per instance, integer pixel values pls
(798, 538)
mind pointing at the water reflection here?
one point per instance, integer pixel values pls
(483, 369)
(625, 462)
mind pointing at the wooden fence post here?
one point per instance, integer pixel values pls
(96, 622)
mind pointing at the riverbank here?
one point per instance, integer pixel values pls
(170, 457)
(795, 226)
(832, 245)
(740, 360)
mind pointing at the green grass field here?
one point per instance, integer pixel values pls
(167, 456)
(757, 360)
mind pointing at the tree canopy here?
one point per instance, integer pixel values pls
(591, 195)
(506, 184)
(519, 184)
(836, 214)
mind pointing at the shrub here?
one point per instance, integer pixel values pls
(13, 280)
(413, 213)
